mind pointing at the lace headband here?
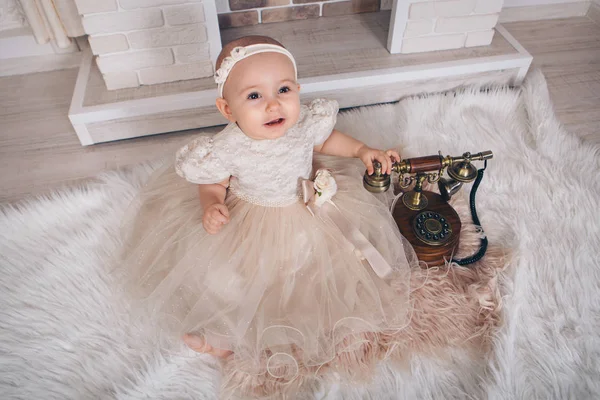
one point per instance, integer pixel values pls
(239, 53)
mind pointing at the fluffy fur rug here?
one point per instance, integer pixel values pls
(65, 332)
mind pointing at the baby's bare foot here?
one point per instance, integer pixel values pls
(197, 343)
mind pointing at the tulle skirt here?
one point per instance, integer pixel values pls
(278, 286)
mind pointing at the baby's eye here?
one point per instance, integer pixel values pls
(284, 89)
(253, 96)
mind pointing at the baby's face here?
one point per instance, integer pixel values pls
(263, 96)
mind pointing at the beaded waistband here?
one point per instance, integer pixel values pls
(259, 201)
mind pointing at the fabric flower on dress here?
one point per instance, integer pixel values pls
(325, 186)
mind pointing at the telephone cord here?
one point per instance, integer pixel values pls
(484, 242)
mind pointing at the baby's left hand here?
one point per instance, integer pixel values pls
(367, 155)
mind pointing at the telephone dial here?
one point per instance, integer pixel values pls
(425, 218)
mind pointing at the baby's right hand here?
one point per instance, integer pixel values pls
(215, 216)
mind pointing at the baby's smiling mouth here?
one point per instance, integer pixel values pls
(275, 122)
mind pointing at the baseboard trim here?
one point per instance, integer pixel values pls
(545, 11)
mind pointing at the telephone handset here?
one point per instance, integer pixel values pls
(425, 218)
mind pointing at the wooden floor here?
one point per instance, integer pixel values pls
(39, 150)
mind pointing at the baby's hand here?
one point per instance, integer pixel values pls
(386, 158)
(215, 216)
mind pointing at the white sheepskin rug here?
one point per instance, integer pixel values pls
(66, 332)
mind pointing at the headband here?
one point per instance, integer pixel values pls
(239, 53)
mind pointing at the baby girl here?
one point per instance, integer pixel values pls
(280, 269)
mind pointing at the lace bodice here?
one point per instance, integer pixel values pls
(264, 172)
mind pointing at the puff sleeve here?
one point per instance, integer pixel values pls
(322, 116)
(199, 162)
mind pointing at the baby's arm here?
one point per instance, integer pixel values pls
(340, 144)
(212, 200)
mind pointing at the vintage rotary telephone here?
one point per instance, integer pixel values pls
(425, 218)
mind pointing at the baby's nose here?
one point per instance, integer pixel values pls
(272, 105)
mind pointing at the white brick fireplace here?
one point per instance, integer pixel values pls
(150, 63)
(427, 25)
(146, 42)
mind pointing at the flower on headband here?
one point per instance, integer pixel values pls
(238, 53)
(220, 76)
(325, 186)
(228, 62)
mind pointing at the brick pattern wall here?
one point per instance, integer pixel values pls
(144, 42)
(234, 13)
(449, 24)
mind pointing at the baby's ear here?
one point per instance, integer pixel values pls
(224, 109)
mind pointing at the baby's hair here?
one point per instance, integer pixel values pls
(244, 41)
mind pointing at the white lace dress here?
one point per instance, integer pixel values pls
(278, 286)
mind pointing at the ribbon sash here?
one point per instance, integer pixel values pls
(355, 240)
